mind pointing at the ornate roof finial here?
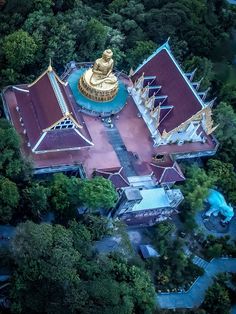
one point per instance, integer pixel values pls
(167, 43)
(131, 72)
(50, 65)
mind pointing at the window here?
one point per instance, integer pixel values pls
(65, 124)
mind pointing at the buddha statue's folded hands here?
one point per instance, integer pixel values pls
(102, 70)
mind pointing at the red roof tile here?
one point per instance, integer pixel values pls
(27, 113)
(168, 172)
(115, 175)
(61, 140)
(174, 85)
(45, 102)
(39, 108)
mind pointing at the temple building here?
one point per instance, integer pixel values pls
(175, 112)
(132, 130)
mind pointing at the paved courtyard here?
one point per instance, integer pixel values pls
(231, 230)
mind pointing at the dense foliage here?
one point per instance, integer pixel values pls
(173, 270)
(217, 247)
(195, 190)
(56, 270)
(23, 197)
(224, 176)
(56, 274)
(32, 32)
(217, 300)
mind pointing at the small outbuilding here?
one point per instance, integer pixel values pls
(148, 251)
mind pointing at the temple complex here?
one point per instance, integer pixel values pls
(132, 130)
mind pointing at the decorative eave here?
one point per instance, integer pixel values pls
(190, 75)
(20, 89)
(66, 116)
(39, 141)
(166, 47)
(49, 70)
(212, 130)
(196, 116)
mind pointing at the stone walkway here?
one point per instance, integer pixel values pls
(123, 155)
(196, 294)
(196, 259)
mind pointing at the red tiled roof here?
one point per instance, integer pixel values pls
(28, 115)
(115, 175)
(180, 94)
(45, 102)
(167, 172)
(39, 109)
(61, 140)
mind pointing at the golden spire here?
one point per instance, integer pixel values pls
(164, 134)
(212, 129)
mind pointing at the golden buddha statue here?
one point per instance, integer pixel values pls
(99, 83)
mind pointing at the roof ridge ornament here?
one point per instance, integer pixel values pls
(167, 44)
(50, 65)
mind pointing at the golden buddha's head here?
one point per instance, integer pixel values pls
(107, 54)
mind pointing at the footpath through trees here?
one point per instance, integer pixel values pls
(196, 294)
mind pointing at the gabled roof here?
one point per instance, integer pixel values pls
(167, 171)
(174, 83)
(115, 175)
(43, 106)
(62, 140)
(148, 250)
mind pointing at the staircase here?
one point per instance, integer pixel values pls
(200, 262)
(196, 259)
(123, 155)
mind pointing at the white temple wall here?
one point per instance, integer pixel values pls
(186, 135)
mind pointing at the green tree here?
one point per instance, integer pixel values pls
(204, 70)
(141, 50)
(35, 198)
(9, 199)
(225, 177)
(97, 226)
(195, 190)
(94, 39)
(47, 262)
(215, 250)
(217, 300)
(27, 6)
(19, 48)
(228, 93)
(64, 196)
(117, 5)
(61, 45)
(97, 193)
(54, 276)
(82, 237)
(11, 163)
(9, 76)
(225, 116)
